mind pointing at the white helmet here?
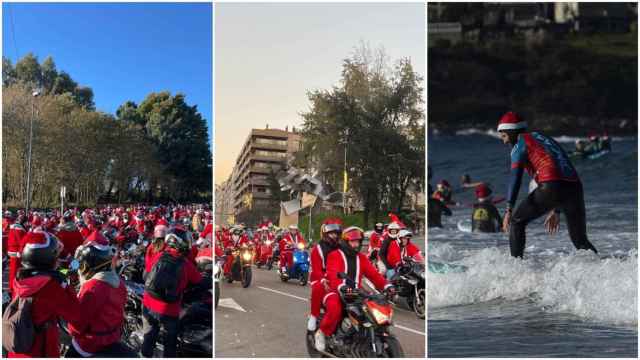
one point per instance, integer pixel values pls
(393, 226)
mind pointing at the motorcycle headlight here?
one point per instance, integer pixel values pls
(301, 246)
(268, 242)
(215, 269)
(246, 256)
(380, 313)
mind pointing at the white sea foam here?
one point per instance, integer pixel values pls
(579, 283)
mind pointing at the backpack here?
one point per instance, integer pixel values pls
(162, 280)
(18, 329)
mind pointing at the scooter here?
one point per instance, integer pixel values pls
(300, 268)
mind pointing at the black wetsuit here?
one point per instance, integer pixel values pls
(485, 217)
(566, 196)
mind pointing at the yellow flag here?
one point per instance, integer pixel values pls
(346, 182)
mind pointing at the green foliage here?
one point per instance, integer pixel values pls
(560, 86)
(46, 77)
(377, 109)
(157, 151)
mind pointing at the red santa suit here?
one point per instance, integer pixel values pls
(395, 253)
(317, 276)
(16, 233)
(356, 268)
(231, 244)
(287, 245)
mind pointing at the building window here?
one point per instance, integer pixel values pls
(271, 142)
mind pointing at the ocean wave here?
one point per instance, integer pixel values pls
(560, 139)
(579, 283)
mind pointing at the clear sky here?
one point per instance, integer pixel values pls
(269, 55)
(122, 51)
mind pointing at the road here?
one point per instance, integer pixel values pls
(269, 319)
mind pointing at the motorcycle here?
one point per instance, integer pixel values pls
(266, 255)
(195, 324)
(409, 280)
(364, 331)
(130, 264)
(217, 275)
(241, 267)
(300, 268)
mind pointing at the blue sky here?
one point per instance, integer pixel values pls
(122, 51)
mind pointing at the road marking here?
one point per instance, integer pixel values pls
(283, 293)
(231, 304)
(306, 300)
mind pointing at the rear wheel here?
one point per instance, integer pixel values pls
(304, 278)
(311, 345)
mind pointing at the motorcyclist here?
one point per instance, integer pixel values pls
(7, 221)
(102, 296)
(237, 238)
(288, 243)
(52, 296)
(346, 259)
(392, 234)
(399, 249)
(69, 234)
(375, 241)
(17, 231)
(155, 249)
(330, 232)
(157, 312)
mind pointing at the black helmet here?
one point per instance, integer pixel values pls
(95, 254)
(179, 239)
(379, 228)
(40, 251)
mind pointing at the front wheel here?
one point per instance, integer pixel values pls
(311, 345)
(418, 304)
(270, 264)
(393, 349)
(246, 277)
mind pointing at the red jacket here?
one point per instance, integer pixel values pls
(189, 275)
(375, 241)
(6, 225)
(204, 254)
(85, 232)
(291, 241)
(51, 300)
(244, 239)
(318, 261)
(151, 256)
(102, 300)
(71, 238)
(395, 254)
(337, 262)
(16, 233)
(207, 232)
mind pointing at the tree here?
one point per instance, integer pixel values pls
(375, 115)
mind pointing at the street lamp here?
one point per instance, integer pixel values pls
(35, 94)
(344, 176)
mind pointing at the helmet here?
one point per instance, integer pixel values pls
(379, 228)
(352, 233)
(94, 255)
(331, 226)
(36, 220)
(293, 228)
(395, 227)
(160, 231)
(404, 233)
(7, 214)
(482, 191)
(40, 251)
(179, 239)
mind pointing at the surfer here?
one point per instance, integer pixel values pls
(435, 207)
(485, 216)
(559, 187)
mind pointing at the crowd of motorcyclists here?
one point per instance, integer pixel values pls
(338, 265)
(68, 294)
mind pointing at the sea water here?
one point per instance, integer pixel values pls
(555, 302)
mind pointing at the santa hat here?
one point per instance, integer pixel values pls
(482, 191)
(39, 239)
(97, 240)
(511, 121)
(396, 219)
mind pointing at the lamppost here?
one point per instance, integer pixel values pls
(35, 94)
(344, 176)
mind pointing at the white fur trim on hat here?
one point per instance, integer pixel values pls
(512, 126)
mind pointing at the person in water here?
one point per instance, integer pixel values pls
(485, 216)
(435, 207)
(559, 186)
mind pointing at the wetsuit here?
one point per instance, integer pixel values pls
(435, 210)
(485, 217)
(559, 189)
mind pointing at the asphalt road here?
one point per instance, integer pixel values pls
(269, 319)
